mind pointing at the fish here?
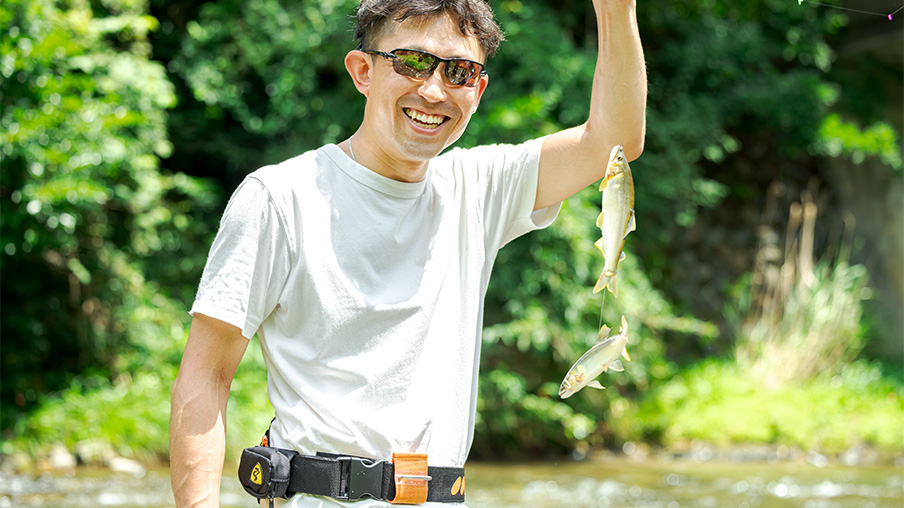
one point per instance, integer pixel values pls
(616, 219)
(602, 357)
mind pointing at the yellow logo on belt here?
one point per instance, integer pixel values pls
(458, 486)
(256, 474)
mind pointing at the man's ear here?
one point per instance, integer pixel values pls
(358, 65)
(481, 87)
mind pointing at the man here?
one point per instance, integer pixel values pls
(362, 266)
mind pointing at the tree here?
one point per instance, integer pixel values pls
(87, 213)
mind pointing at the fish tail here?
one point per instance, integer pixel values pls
(602, 283)
(606, 281)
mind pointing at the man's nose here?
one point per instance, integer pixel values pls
(433, 88)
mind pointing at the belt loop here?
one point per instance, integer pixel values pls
(410, 478)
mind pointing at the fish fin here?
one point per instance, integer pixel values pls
(624, 330)
(613, 285)
(599, 219)
(596, 384)
(604, 333)
(622, 257)
(604, 182)
(632, 224)
(599, 245)
(616, 366)
(603, 282)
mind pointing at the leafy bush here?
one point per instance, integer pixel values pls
(132, 414)
(831, 414)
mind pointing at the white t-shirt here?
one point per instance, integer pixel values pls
(367, 294)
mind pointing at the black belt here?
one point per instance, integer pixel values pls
(273, 472)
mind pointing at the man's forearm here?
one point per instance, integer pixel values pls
(198, 416)
(197, 442)
(619, 97)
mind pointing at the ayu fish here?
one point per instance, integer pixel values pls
(616, 219)
(602, 357)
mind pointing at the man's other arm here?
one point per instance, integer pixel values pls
(574, 158)
(198, 418)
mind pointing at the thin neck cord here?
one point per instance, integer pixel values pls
(351, 150)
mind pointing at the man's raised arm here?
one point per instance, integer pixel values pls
(198, 417)
(574, 158)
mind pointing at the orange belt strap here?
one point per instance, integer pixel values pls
(410, 478)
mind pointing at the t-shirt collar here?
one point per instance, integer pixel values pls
(374, 180)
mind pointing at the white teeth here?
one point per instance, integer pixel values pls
(424, 118)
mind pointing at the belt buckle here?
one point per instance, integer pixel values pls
(365, 478)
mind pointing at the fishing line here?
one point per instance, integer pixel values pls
(602, 303)
(853, 10)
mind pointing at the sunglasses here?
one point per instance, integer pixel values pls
(416, 64)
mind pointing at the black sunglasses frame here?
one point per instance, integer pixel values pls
(398, 66)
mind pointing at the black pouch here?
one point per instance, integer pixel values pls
(264, 472)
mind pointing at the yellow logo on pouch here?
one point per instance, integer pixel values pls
(256, 474)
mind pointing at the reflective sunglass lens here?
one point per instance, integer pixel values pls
(416, 64)
(461, 72)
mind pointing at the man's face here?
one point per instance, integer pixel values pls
(413, 121)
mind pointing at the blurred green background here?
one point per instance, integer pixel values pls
(763, 285)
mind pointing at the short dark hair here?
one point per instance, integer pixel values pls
(475, 19)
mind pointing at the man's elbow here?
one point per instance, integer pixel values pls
(634, 147)
(601, 140)
(179, 396)
(634, 150)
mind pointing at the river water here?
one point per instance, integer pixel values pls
(613, 483)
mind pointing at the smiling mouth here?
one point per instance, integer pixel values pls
(425, 120)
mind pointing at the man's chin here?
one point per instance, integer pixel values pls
(423, 148)
(424, 152)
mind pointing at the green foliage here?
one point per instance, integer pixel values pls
(838, 137)
(518, 422)
(521, 102)
(132, 415)
(87, 214)
(731, 84)
(262, 81)
(831, 414)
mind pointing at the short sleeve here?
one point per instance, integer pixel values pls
(508, 176)
(249, 261)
